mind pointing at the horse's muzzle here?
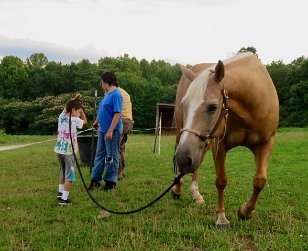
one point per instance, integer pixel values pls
(185, 161)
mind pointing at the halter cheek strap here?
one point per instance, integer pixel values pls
(223, 114)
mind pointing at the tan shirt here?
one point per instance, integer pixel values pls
(127, 105)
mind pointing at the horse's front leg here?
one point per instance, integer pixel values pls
(197, 197)
(221, 182)
(176, 190)
(262, 153)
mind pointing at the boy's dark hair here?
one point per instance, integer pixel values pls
(73, 104)
(110, 78)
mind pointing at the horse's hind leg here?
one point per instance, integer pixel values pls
(262, 153)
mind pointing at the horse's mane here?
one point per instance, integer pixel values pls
(197, 87)
(237, 58)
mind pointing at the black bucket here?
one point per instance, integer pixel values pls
(85, 147)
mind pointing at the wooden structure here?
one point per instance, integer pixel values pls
(164, 122)
(164, 113)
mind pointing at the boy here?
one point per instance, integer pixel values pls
(63, 146)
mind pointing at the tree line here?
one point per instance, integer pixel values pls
(33, 92)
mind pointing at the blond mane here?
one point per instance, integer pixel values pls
(238, 57)
(197, 88)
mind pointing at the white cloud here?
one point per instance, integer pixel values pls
(184, 31)
(23, 48)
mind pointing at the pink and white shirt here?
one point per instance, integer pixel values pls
(63, 145)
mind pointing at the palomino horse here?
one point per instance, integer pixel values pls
(232, 103)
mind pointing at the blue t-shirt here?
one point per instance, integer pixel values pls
(111, 104)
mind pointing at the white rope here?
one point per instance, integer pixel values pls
(90, 129)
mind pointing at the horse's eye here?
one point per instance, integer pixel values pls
(211, 108)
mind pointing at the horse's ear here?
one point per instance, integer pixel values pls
(188, 73)
(219, 71)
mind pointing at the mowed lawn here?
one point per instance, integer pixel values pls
(30, 218)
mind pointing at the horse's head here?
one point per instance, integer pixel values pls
(203, 107)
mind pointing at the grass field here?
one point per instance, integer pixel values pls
(30, 218)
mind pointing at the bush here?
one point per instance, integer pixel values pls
(39, 116)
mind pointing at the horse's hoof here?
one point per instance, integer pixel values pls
(199, 200)
(243, 217)
(223, 226)
(175, 196)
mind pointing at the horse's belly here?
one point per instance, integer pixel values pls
(242, 138)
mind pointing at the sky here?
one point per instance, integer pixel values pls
(177, 31)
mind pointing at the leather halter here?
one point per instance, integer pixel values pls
(223, 114)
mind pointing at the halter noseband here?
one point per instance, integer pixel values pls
(223, 114)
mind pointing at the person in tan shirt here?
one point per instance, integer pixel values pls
(128, 123)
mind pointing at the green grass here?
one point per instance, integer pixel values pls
(30, 218)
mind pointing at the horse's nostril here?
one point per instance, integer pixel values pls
(189, 161)
(184, 161)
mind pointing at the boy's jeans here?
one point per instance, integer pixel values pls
(107, 155)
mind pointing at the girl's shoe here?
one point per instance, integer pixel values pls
(59, 196)
(65, 202)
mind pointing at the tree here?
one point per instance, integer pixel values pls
(46, 86)
(136, 87)
(278, 72)
(13, 76)
(145, 69)
(299, 96)
(35, 84)
(37, 60)
(164, 72)
(127, 64)
(248, 49)
(55, 79)
(40, 116)
(107, 64)
(291, 84)
(84, 76)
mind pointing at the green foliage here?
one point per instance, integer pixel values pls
(291, 82)
(13, 76)
(40, 115)
(48, 85)
(15, 117)
(84, 76)
(248, 49)
(37, 60)
(148, 83)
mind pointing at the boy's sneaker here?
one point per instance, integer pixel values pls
(59, 196)
(65, 202)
